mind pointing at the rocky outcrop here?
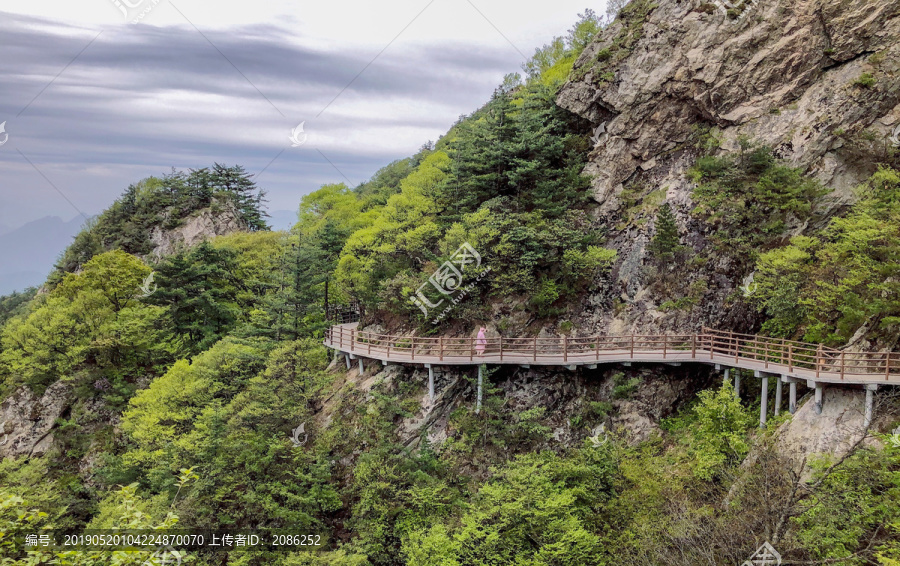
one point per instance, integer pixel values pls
(26, 420)
(835, 431)
(202, 226)
(782, 73)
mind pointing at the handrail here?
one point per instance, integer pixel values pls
(743, 350)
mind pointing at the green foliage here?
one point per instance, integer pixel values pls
(200, 291)
(750, 199)
(826, 287)
(854, 500)
(865, 80)
(624, 387)
(666, 241)
(91, 319)
(539, 509)
(720, 436)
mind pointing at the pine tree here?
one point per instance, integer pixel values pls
(666, 242)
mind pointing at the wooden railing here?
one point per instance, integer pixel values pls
(747, 350)
(343, 314)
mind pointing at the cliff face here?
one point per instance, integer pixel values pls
(786, 74)
(204, 225)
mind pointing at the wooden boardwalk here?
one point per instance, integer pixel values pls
(765, 356)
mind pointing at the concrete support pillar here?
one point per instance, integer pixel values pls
(792, 397)
(820, 389)
(430, 382)
(870, 404)
(347, 358)
(737, 382)
(777, 395)
(362, 368)
(727, 376)
(478, 400)
(764, 400)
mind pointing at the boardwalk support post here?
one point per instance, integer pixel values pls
(737, 382)
(362, 369)
(347, 358)
(870, 404)
(819, 392)
(792, 397)
(478, 399)
(764, 400)
(727, 376)
(430, 382)
(777, 395)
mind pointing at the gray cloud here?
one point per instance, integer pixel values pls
(142, 99)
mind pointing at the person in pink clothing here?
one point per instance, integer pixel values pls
(481, 342)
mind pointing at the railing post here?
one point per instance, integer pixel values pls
(388, 353)
(341, 338)
(693, 346)
(413, 348)
(712, 344)
(790, 357)
(369, 346)
(535, 348)
(737, 349)
(766, 355)
(665, 343)
(501, 348)
(472, 347)
(632, 346)
(441, 346)
(597, 347)
(820, 357)
(887, 366)
(782, 351)
(352, 339)
(565, 348)
(842, 364)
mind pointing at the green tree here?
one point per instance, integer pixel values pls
(666, 242)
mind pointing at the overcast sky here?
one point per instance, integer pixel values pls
(93, 103)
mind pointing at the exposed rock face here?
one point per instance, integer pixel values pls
(832, 433)
(203, 226)
(28, 420)
(782, 73)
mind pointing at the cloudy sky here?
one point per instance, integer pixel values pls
(92, 102)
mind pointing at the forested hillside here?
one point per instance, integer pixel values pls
(151, 390)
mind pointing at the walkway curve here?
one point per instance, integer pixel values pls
(763, 355)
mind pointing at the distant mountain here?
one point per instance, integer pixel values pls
(282, 219)
(27, 254)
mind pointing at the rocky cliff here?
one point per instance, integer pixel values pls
(805, 78)
(203, 225)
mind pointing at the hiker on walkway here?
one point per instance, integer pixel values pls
(481, 342)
